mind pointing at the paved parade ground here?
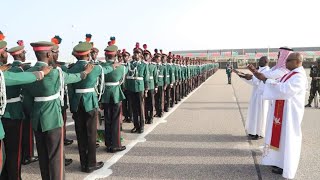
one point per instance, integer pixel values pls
(203, 137)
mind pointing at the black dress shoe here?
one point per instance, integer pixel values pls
(114, 150)
(67, 162)
(134, 130)
(256, 137)
(140, 131)
(277, 170)
(68, 142)
(108, 149)
(96, 167)
(97, 145)
(150, 121)
(308, 105)
(30, 160)
(83, 169)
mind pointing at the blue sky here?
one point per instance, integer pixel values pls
(166, 24)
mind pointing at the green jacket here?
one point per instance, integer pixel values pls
(153, 76)
(12, 79)
(90, 98)
(113, 93)
(14, 110)
(46, 115)
(178, 72)
(171, 71)
(138, 76)
(162, 74)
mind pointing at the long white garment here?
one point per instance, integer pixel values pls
(293, 91)
(258, 107)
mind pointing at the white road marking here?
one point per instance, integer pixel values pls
(105, 171)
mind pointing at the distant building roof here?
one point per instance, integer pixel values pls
(248, 52)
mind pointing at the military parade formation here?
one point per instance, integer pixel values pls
(128, 89)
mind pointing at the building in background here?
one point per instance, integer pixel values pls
(241, 57)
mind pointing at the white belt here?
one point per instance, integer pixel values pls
(48, 98)
(13, 100)
(168, 75)
(112, 83)
(135, 78)
(160, 76)
(79, 91)
(151, 77)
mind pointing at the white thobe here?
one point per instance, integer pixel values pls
(293, 91)
(258, 107)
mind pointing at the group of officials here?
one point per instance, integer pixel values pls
(276, 109)
(127, 88)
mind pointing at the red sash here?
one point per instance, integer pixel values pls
(278, 117)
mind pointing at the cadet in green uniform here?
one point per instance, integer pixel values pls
(183, 78)
(167, 82)
(55, 55)
(153, 83)
(229, 72)
(12, 120)
(171, 71)
(84, 106)
(315, 82)
(111, 100)
(126, 108)
(27, 133)
(178, 80)
(45, 98)
(159, 95)
(13, 79)
(137, 82)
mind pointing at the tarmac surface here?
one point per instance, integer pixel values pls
(203, 137)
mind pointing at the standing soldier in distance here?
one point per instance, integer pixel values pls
(149, 103)
(137, 83)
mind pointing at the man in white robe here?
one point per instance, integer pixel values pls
(283, 135)
(258, 107)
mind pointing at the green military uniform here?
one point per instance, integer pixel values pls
(162, 81)
(315, 82)
(126, 108)
(150, 99)
(27, 132)
(84, 106)
(45, 106)
(178, 84)
(183, 80)
(137, 81)
(111, 100)
(13, 79)
(172, 88)
(229, 72)
(12, 122)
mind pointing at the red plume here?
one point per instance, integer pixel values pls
(145, 46)
(113, 40)
(55, 41)
(137, 45)
(2, 37)
(20, 43)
